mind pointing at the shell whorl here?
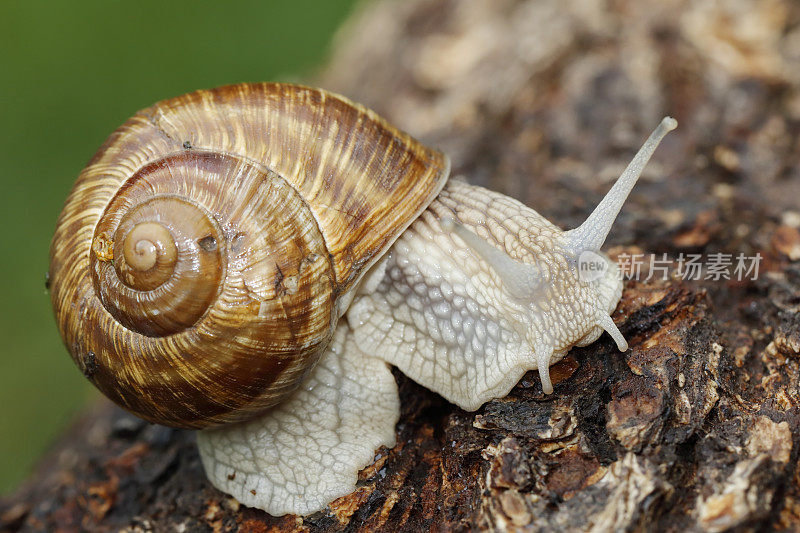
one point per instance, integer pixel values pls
(200, 261)
(166, 263)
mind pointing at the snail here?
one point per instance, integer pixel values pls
(249, 260)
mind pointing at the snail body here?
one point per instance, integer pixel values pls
(248, 260)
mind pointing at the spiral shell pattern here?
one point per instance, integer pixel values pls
(207, 251)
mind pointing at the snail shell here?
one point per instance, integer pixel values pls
(205, 254)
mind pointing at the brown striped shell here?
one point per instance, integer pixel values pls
(206, 252)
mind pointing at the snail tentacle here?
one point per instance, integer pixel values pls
(593, 232)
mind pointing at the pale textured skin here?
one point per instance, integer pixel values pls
(443, 316)
(304, 453)
(476, 292)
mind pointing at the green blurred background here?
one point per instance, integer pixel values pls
(70, 73)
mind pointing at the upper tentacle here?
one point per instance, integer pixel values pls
(593, 232)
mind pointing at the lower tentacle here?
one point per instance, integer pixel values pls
(607, 323)
(543, 357)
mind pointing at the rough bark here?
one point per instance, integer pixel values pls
(697, 426)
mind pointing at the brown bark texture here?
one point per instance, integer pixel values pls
(697, 426)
